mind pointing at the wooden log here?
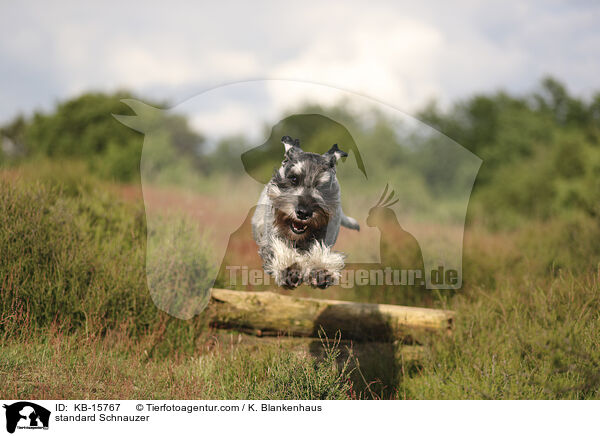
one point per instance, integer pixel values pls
(268, 313)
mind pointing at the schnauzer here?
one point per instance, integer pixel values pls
(298, 219)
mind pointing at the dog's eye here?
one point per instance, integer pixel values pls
(294, 180)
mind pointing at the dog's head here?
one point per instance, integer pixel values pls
(304, 191)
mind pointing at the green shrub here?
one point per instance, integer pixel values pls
(77, 262)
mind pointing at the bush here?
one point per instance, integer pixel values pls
(77, 262)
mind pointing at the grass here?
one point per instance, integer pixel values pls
(525, 339)
(76, 314)
(76, 260)
(74, 305)
(74, 366)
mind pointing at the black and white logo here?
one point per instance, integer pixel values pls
(26, 415)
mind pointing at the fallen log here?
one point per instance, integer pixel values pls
(268, 313)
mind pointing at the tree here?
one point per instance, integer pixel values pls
(83, 128)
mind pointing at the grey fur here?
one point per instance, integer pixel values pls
(350, 222)
(298, 218)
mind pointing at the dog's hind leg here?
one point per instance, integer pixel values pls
(349, 222)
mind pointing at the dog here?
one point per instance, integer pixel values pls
(298, 218)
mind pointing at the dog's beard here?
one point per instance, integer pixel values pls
(299, 231)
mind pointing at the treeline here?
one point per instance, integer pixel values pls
(84, 128)
(540, 151)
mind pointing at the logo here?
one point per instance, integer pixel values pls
(406, 186)
(26, 415)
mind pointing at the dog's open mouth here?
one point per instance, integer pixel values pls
(298, 227)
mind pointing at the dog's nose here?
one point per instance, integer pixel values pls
(303, 213)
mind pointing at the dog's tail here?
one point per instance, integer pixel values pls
(350, 223)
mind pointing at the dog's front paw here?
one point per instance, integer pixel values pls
(291, 277)
(321, 278)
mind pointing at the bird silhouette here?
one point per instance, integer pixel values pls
(398, 249)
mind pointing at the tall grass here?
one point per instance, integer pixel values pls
(76, 314)
(526, 339)
(59, 365)
(76, 260)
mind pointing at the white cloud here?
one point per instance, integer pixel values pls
(394, 62)
(228, 120)
(139, 66)
(401, 53)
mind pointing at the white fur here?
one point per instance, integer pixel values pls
(325, 177)
(321, 257)
(297, 191)
(338, 155)
(288, 209)
(297, 168)
(283, 257)
(287, 146)
(274, 191)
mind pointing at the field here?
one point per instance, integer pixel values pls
(77, 319)
(527, 324)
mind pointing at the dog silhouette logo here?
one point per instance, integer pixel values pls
(26, 415)
(431, 177)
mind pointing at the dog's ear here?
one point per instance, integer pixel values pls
(334, 154)
(292, 146)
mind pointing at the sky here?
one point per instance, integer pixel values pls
(402, 53)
